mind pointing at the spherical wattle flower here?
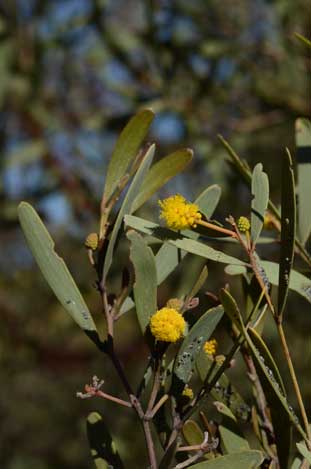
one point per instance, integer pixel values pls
(167, 325)
(243, 224)
(178, 213)
(210, 347)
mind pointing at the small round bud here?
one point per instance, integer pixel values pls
(243, 224)
(220, 359)
(91, 241)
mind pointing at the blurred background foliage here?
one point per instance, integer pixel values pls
(72, 73)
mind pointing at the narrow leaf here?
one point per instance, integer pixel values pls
(223, 390)
(282, 429)
(260, 193)
(53, 267)
(160, 173)
(303, 39)
(126, 206)
(126, 149)
(103, 450)
(231, 308)
(232, 438)
(303, 144)
(241, 460)
(304, 451)
(180, 241)
(298, 282)
(145, 286)
(288, 225)
(193, 343)
(277, 402)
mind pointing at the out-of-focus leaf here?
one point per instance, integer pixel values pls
(126, 206)
(223, 390)
(298, 282)
(192, 433)
(282, 429)
(303, 39)
(231, 436)
(288, 228)
(231, 308)
(126, 149)
(54, 268)
(26, 153)
(160, 173)
(180, 241)
(303, 144)
(145, 286)
(193, 343)
(279, 407)
(103, 450)
(241, 460)
(260, 193)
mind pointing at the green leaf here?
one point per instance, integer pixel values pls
(260, 192)
(304, 451)
(160, 173)
(145, 286)
(208, 200)
(127, 205)
(180, 241)
(277, 402)
(192, 433)
(232, 438)
(231, 308)
(193, 343)
(303, 144)
(288, 228)
(303, 39)
(282, 429)
(126, 149)
(241, 460)
(298, 282)
(53, 267)
(268, 359)
(224, 390)
(103, 450)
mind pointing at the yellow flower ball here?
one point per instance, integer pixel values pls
(188, 393)
(167, 325)
(243, 224)
(210, 347)
(178, 213)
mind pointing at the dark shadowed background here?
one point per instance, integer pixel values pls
(72, 72)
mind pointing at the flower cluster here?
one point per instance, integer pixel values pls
(243, 224)
(178, 213)
(210, 347)
(167, 325)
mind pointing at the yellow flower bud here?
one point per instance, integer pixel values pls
(91, 241)
(167, 325)
(243, 224)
